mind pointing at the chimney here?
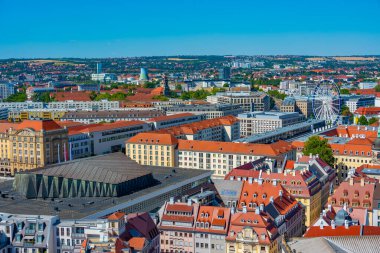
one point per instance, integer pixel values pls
(262, 207)
(333, 224)
(244, 209)
(321, 225)
(294, 173)
(329, 207)
(362, 182)
(274, 182)
(232, 210)
(351, 181)
(189, 202)
(310, 155)
(171, 201)
(201, 189)
(280, 194)
(257, 211)
(271, 199)
(317, 155)
(250, 180)
(346, 224)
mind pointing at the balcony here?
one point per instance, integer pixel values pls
(30, 231)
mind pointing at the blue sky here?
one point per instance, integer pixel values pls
(119, 28)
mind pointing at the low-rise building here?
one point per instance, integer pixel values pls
(249, 101)
(261, 122)
(88, 117)
(222, 157)
(98, 139)
(174, 120)
(364, 101)
(102, 105)
(4, 113)
(210, 111)
(32, 144)
(27, 233)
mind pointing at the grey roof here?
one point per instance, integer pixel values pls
(229, 190)
(340, 244)
(112, 114)
(168, 179)
(112, 168)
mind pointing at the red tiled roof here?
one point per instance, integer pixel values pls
(154, 139)
(179, 207)
(137, 243)
(316, 231)
(116, 216)
(90, 128)
(368, 111)
(76, 96)
(273, 149)
(38, 125)
(169, 117)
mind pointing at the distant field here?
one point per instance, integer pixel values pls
(316, 59)
(355, 58)
(56, 62)
(181, 59)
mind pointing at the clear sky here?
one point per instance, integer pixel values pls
(119, 28)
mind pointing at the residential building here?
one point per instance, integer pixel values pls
(89, 87)
(88, 117)
(190, 227)
(157, 149)
(103, 77)
(367, 85)
(261, 122)
(368, 112)
(225, 128)
(210, 111)
(367, 170)
(272, 198)
(222, 157)
(249, 101)
(27, 105)
(359, 193)
(35, 114)
(102, 105)
(363, 101)
(349, 153)
(303, 185)
(27, 233)
(174, 120)
(32, 144)
(6, 89)
(304, 105)
(4, 113)
(225, 73)
(30, 91)
(98, 139)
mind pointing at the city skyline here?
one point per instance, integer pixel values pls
(121, 29)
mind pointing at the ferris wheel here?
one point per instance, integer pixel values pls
(326, 102)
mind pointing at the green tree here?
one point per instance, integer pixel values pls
(42, 97)
(362, 120)
(372, 120)
(377, 88)
(178, 87)
(316, 145)
(17, 97)
(344, 92)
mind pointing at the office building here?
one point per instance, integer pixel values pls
(102, 105)
(367, 85)
(88, 117)
(364, 101)
(88, 87)
(103, 77)
(98, 68)
(249, 101)
(174, 120)
(6, 89)
(225, 73)
(210, 111)
(4, 113)
(99, 139)
(225, 128)
(260, 122)
(27, 105)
